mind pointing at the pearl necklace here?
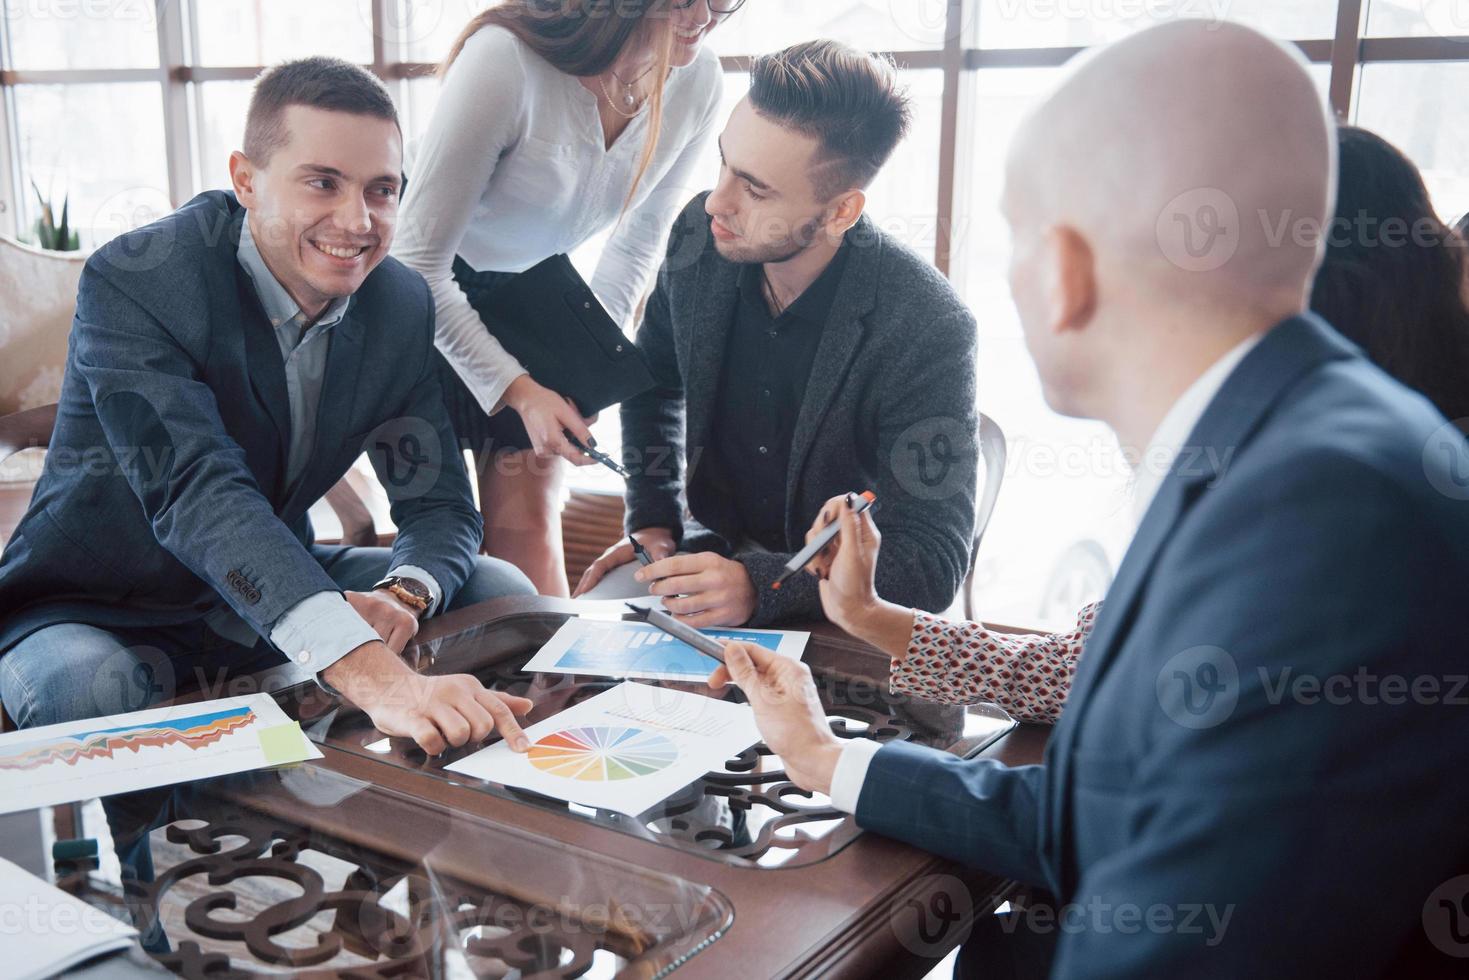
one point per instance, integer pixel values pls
(628, 105)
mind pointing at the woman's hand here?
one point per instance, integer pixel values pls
(548, 416)
(847, 569)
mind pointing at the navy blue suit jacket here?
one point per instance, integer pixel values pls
(163, 495)
(1243, 731)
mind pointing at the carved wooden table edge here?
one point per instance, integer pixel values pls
(777, 910)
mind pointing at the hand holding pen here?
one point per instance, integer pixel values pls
(847, 565)
(599, 457)
(825, 531)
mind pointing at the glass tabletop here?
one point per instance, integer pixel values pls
(302, 868)
(747, 813)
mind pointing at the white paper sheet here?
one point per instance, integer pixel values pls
(626, 749)
(46, 931)
(142, 749)
(598, 648)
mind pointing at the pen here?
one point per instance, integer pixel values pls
(679, 631)
(602, 458)
(803, 557)
(637, 548)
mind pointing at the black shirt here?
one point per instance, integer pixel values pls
(767, 363)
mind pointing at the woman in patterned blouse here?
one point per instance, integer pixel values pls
(1029, 675)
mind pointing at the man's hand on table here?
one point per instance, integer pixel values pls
(393, 620)
(702, 590)
(787, 709)
(436, 712)
(656, 541)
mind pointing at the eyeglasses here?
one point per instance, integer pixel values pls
(715, 6)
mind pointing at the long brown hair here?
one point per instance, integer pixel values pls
(584, 38)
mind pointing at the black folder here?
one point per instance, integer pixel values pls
(549, 320)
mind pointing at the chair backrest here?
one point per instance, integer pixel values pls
(993, 449)
(38, 295)
(30, 429)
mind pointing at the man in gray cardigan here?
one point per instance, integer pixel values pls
(800, 353)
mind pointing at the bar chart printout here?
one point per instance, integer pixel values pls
(143, 749)
(639, 650)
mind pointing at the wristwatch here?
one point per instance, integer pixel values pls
(411, 592)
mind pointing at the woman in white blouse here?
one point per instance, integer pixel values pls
(557, 120)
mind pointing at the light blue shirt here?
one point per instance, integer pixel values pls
(323, 628)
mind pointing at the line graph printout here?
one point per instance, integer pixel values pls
(627, 649)
(627, 749)
(142, 749)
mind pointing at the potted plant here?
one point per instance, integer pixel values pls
(58, 237)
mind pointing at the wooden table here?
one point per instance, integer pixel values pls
(754, 878)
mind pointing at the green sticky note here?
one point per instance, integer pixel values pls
(283, 744)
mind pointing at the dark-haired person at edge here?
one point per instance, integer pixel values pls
(1392, 282)
(556, 122)
(800, 350)
(227, 365)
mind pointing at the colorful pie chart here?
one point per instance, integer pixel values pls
(601, 754)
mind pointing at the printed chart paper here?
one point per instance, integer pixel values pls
(48, 931)
(626, 749)
(142, 749)
(630, 649)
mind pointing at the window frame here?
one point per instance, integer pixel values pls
(962, 55)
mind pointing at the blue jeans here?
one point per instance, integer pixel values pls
(72, 671)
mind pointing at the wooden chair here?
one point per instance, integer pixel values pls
(992, 446)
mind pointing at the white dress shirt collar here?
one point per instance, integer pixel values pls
(1158, 459)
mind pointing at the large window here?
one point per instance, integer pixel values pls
(130, 107)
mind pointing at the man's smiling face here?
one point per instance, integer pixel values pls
(324, 205)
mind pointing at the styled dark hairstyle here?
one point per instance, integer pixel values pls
(1393, 280)
(583, 38)
(847, 99)
(319, 83)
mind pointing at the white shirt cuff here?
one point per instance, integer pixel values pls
(419, 575)
(320, 630)
(851, 773)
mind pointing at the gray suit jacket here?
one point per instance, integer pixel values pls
(890, 406)
(164, 493)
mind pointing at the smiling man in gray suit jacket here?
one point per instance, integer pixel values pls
(800, 353)
(226, 367)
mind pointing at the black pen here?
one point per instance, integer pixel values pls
(602, 458)
(679, 631)
(642, 553)
(803, 558)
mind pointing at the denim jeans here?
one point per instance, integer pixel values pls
(72, 671)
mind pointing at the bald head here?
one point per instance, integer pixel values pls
(1178, 153)
(1166, 202)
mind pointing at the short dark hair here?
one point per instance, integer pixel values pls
(847, 99)
(319, 83)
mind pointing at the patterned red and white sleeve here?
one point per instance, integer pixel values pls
(1028, 675)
